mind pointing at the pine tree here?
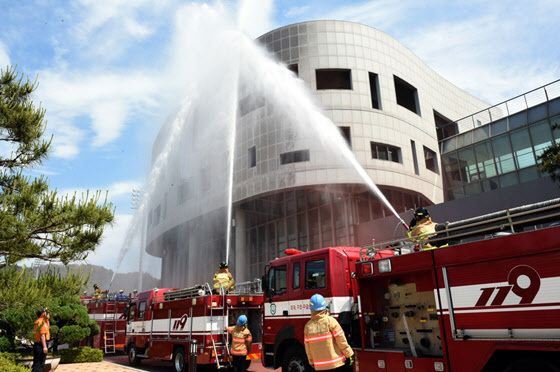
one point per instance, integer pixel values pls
(34, 222)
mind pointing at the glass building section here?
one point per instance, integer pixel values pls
(500, 153)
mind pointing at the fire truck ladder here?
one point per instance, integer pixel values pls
(224, 315)
(110, 327)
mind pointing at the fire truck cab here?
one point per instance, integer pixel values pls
(288, 285)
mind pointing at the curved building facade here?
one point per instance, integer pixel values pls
(288, 191)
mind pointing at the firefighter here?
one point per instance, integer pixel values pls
(325, 343)
(423, 228)
(223, 278)
(97, 292)
(242, 343)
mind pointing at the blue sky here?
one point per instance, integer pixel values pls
(103, 68)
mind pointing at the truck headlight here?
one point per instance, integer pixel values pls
(384, 266)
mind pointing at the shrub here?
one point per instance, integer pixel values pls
(80, 355)
(8, 364)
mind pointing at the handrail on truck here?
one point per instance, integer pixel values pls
(505, 222)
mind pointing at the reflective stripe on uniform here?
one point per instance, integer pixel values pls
(241, 352)
(239, 340)
(338, 333)
(327, 362)
(318, 338)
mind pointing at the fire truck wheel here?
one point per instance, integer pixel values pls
(179, 360)
(133, 359)
(295, 360)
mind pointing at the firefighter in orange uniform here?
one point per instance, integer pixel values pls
(242, 343)
(223, 277)
(325, 343)
(41, 336)
(423, 228)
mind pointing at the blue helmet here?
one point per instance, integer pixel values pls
(317, 303)
(242, 321)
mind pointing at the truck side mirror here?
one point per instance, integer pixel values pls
(264, 281)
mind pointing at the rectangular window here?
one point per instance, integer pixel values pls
(431, 160)
(333, 79)
(374, 90)
(383, 151)
(345, 131)
(277, 279)
(183, 192)
(141, 310)
(252, 156)
(414, 157)
(407, 95)
(295, 276)
(250, 103)
(444, 127)
(315, 275)
(503, 154)
(294, 68)
(294, 157)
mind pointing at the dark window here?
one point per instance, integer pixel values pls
(333, 79)
(294, 68)
(157, 215)
(414, 157)
(445, 128)
(407, 95)
(431, 160)
(250, 103)
(345, 131)
(374, 90)
(294, 157)
(252, 156)
(382, 151)
(277, 279)
(295, 277)
(141, 310)
(315, 274)
(183, 192)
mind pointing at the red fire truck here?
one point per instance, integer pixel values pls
(486, 301)
(290, 282)
(108, 313)
(162, 323)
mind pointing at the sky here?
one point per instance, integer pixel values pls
(105, 67)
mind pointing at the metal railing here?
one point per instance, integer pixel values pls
(250, 287)
(508, 221)
(502, 110)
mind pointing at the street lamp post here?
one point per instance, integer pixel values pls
(136, 200)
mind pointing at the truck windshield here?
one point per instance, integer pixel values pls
(277, 280)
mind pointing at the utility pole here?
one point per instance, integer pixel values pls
(136, 200)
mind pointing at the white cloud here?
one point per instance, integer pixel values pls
(4, 57)
(121, 190)
(296, 11)
(108, 100)
(254, 17)
(494, 50)
(380, 14)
